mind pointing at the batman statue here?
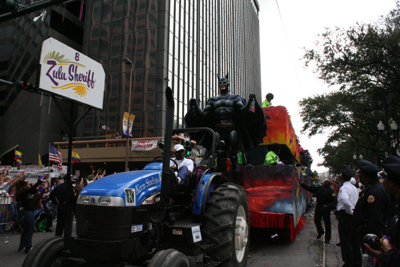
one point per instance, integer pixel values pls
(234, 121)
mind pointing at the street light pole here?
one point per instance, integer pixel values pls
(130, 63)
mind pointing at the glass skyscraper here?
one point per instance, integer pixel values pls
(182, 44)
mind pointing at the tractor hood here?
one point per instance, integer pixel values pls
(123, 189)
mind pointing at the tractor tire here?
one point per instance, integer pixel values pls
(169, 258)
(48, 253)
(226, 225)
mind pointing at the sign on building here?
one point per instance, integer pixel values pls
(144, 145)
(71, 74)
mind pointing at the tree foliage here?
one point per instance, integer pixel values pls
(364, 63)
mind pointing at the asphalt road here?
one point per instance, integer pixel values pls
(304, 251)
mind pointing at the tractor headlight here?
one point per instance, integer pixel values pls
(104, 201)
(151, 199)
(84, 199)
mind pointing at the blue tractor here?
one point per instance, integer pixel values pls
(142, 218)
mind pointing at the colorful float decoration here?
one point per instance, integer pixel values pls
(276, 200)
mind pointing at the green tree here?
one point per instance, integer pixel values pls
(364, 62)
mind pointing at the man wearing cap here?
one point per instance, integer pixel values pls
(185, 166)
(346, 202)
(373, 206)
(389, 253)
(325, 203)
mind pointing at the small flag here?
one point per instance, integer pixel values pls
(18, 162)
(40, 160)
(125, 121)
(75, 157)
(131, 120)
(55, 156)
(18, 155)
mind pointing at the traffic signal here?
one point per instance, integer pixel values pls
(188, 148)
(26, 86)
(7, 5)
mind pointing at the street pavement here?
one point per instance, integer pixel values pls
(9, 242)
(266, 249)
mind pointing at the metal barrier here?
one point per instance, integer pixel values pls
(7, 211)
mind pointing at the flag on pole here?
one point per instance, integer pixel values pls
(18, 158)
(75, 157)
(131, 120)
(40, 160)
(55, 156)
(125, 122)
(18, 155)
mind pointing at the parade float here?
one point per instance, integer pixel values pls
(276, 200)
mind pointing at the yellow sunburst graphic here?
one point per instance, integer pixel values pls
(78, 88)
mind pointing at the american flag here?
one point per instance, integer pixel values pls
(55, 156)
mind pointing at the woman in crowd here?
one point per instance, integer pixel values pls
(25, 194)
(44, 186)
(389, 253)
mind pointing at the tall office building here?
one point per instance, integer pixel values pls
(182, 44)
(177, 43)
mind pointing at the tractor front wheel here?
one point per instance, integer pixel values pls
(227, 225)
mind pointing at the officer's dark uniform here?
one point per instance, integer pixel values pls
(373, 206)
(65, 208)
(325, 203)
(391, 166)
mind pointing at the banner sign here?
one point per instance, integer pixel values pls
(56, 170)
(71, 74)
(5, 167)
(31, 168)
(131, 120)
(125, 120)
(144, 145)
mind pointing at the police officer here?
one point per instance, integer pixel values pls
(373, 206)
(389, 253)
(346, 202)
(65, 199)
(325, 203)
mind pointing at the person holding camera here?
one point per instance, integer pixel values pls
(389, 252)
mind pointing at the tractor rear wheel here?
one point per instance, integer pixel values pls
(227, 225)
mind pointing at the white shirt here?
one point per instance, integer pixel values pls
(5, 186)
(183, 162)
(347, 198)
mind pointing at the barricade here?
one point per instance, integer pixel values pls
(7, 211)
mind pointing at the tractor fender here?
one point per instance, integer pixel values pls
(204, 187)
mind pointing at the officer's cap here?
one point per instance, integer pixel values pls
(367, 166)
(347, 171)
(391, 166)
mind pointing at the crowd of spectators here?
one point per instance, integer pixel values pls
(32, 204)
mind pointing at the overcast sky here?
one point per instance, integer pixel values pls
(282, 70)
